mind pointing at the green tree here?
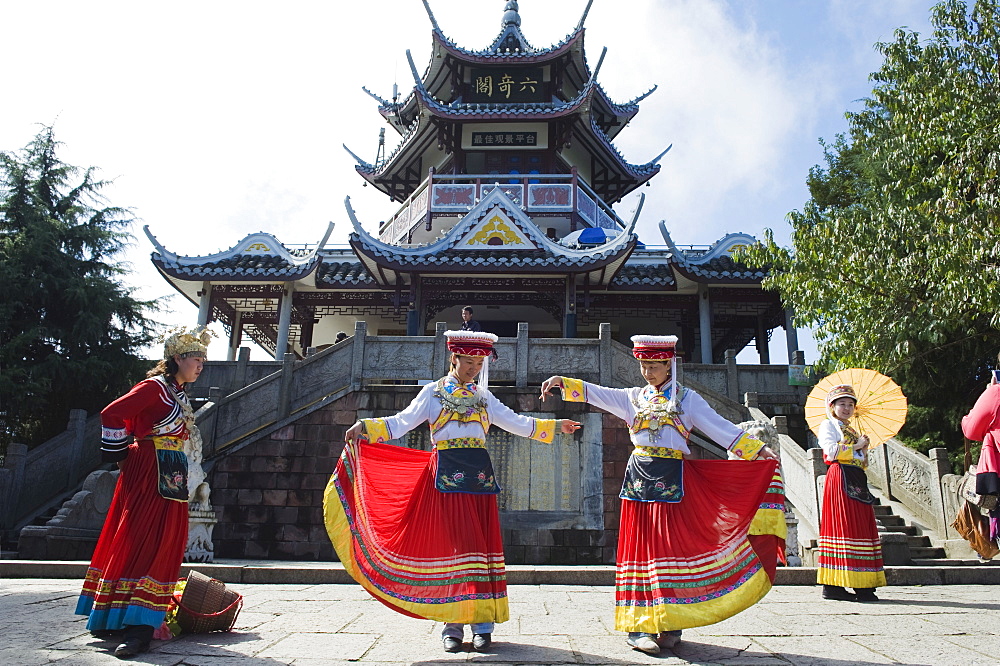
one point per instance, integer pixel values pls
(895, 256)
(69, 330)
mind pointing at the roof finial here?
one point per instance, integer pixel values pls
(579, 26)
(430, 15)
(510, 15)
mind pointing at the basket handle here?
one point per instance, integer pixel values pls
(238, 600)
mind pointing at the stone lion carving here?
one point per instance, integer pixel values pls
(762, 430)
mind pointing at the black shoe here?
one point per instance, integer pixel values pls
(481, 642)
(105, 633)
(865, 594)
(837, 593)
(131, 648)
(452, 644)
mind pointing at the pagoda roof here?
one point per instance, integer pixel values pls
(633, 276)
(389, 263)
(417, 136)
(714, 264)
(258, 257)
(333, 274)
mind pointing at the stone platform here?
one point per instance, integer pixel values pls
(961, 572)
(337, 624)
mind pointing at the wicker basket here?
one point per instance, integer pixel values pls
(207, 605)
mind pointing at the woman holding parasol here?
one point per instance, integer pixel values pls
(850, 553)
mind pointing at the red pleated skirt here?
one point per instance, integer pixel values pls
(690, 563)
(769, 531)
(138, 557)
(850, 553)
(420, 551)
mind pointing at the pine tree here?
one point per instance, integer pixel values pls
(70, 329)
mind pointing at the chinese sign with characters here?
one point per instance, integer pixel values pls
(509, 84)
(501, 139)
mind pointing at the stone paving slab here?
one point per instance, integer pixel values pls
(320, 573)
(332, 624)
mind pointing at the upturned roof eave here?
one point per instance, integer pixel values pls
(195, 273)
(417, 264)
(487, 57)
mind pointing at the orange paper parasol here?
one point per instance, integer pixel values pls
(881, 409)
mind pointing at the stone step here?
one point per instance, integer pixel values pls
(890, 521)
(948, 562)
(926, 552)
(918, 541)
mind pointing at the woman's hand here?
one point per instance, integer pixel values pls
(548, 385)
(569, 427)
(862, 443)
(767, 454)
(354, 432)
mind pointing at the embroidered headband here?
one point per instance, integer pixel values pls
(471, 343)
(181, 340)
(841, 391)
(654, 347)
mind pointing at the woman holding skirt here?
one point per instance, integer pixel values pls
(850, 553)
(420, 530)
(684, 558)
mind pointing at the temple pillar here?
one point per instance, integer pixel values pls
(235, 336)
(413, 313)
(763, 348)
(569, 308)
(284, 320)
(205, 304)
(705, 323)
(791, 335)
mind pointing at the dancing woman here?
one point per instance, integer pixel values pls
(420, 530)
(684, 558)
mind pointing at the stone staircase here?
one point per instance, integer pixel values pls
(922, 551)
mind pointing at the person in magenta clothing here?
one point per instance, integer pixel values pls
(131, 577)
(982, 424)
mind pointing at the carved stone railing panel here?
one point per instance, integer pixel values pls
(318, 375)
(624, 368)
(571, 360)
(713, 377)
(914, 481)
(951, 503)
(398, 358)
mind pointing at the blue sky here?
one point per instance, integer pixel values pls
(217, 119)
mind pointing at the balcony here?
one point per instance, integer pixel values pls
(556, 196)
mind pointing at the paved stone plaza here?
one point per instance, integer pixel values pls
(550, 624)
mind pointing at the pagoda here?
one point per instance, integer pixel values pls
(505, 176)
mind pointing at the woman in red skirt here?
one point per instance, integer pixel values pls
(420, 530)
(138, 557)
(684, 557)
(850, 553)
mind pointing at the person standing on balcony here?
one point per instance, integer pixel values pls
(131, 577)
(684, 557)
(468, 323)
(420, 530)
(850, 553)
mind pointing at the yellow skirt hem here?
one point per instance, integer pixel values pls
(667, 617)
(466, 612)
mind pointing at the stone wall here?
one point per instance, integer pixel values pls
(269, 493)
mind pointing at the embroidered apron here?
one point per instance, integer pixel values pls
(171, 461)
(463, 464)
(654, 473)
